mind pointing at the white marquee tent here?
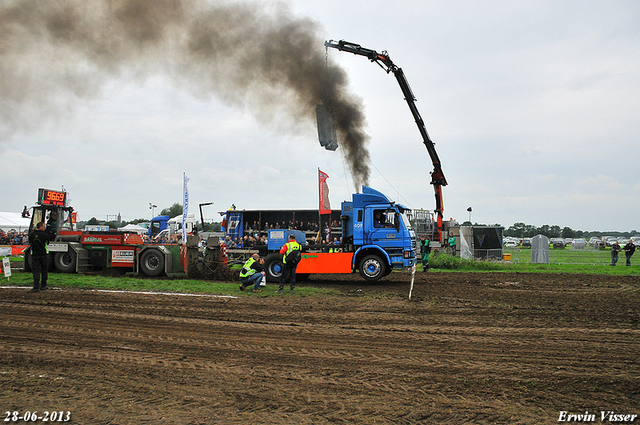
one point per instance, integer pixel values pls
(134, 228)
(13, 221)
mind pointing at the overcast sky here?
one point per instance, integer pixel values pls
(534, 107)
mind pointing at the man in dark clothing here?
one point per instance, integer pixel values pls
(52, 225)
(39, 246)
(615, 249)
(378, 219)
(629, 249)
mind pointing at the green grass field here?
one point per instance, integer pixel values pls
(439, 264)
(173, 285)
(568, 256)
(560, 261)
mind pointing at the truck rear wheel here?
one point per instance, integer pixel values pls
(65, 262)
(273, 267)
(152, 263)
(372, 268)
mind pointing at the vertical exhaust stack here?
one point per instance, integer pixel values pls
(326, 128)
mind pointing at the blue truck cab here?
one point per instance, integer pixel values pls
(158, 224)
(379, 233)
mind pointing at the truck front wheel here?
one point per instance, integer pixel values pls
(152, 263)
(372, 268)
(273, 267)
(65, 262)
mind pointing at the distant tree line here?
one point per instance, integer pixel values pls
(522, 230)
(173, 211)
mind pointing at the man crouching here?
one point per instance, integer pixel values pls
(252, 273)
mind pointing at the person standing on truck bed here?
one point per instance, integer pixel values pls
(289, 267)
(39, 246)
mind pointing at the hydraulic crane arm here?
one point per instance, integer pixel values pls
(384, 61)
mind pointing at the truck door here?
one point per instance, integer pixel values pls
(382, 227)
(359, 234)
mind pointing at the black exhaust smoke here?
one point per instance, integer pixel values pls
(248, 55)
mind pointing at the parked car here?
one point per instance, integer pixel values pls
(595, 242)
(635, 240)
(557, 243)
(526, 243)
(511, 242)
(579, 243)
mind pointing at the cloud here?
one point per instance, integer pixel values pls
(533, 114)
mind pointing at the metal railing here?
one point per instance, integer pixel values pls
(487, 254)
(569, 255)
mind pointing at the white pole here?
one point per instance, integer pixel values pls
(413, 275)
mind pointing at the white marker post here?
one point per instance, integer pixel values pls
(413, 275)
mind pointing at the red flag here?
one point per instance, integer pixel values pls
(325, 207)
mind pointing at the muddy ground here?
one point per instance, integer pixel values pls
(468, 348)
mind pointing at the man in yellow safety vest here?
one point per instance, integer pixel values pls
(252, 273)
(289, 263)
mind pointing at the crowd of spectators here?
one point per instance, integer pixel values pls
(255, 235)
(248, 241)
(327, 244)
(13, 237)
(291, 225)
(254, 240)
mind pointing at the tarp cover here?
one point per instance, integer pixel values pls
(540, 249)
(466, 242)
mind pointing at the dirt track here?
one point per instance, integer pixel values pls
(468, 348)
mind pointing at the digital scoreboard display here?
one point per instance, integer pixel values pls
(51, 197)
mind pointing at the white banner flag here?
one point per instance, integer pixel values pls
(185, 208)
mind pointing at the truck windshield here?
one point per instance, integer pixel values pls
(38, 216)
(67, 221)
